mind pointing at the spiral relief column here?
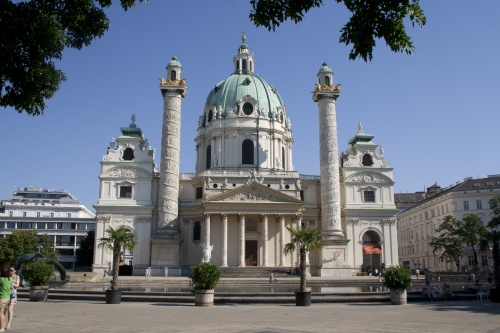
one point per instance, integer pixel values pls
(165, 245)
(326, 94)
(173, 90)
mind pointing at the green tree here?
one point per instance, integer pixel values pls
(472, 234)
(493, 236)
(449, 240)
(24, 241)
(121, 238)
(33, 35)
(370, 20)
(307, 240)
(85, 253)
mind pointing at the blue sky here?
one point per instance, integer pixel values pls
(434, 112)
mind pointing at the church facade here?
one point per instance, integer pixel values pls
(244, 193)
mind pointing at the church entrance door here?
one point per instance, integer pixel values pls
(251, 248)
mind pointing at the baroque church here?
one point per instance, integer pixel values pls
(244, 193)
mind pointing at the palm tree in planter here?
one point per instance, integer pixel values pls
(398, 280)
(307, 240)
(118, 239)
(204, 278)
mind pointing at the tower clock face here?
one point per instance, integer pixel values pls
(247, 108)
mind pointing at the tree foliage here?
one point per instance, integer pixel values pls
(449, 240)
(118, 239)
(306, 240)
(493, 236)
(85, 253)
(25, 241)
(370, 20)
(455, 235)
(33, 34)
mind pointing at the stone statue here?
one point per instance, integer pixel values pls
(207, 252)
(208, 182)
(278, 163)
(297, 184)
(224, 184)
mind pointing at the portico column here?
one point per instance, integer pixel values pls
(207, 229)
(297, 221)
(265, 238)
(241, 222)
(224, 240)
(282, 239)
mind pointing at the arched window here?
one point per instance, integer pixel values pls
(247, 152)
(367, 160)
(128, 154)
(209, 157)
(173, 75)
(327, 80)
(283, 158)
(197, 231)
(244, 64)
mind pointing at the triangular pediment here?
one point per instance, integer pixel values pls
(254, 192)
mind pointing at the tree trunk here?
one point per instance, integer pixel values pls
(116, 266)
(496, 262)
(302, 269)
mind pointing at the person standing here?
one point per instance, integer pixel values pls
(417, 273)
(13, 295)
(146, 273)
(5, 286)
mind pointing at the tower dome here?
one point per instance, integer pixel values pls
(253, 111)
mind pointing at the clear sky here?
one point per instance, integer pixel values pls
(434, 112)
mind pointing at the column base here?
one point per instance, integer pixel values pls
(334, 258)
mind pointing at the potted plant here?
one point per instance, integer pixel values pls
(398, 280)
(38, 275)
(204, 278)
(307, 240)
(118, 239)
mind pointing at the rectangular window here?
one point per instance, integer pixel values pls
(79, 240)
(199, 193)
(91, 226)
(37, 214)
(484, 261)
(11, 213)
(369, 196)
(65, 240)
(81, 226)
(479, 204)
(433, 212)
(466, 205)
(66, 252)
(125, 191)
(447, 211)
(69, 215)
(51, 214)
(11, 225)
(471, 260)
(24, 214)
(51, 225)
(426, 215)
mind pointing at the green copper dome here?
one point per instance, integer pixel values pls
(325, 69)
(226, 93)
(174, 62)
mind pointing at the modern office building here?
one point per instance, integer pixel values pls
(52, 212)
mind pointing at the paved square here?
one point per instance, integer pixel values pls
(57, 316)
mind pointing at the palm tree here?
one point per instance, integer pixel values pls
(307, 240)
(116, 240)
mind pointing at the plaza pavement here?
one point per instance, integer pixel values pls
(56, 316)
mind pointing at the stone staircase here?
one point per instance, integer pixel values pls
(253, 272)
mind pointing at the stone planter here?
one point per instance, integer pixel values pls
(303, 298)
(113, 296)
(39, 293)
(204, 297)
(399, 297)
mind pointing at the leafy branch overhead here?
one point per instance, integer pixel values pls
(33, 35)
(370, 20)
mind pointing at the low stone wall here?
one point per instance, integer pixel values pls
(79, 276)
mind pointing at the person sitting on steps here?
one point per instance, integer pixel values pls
(272, 278)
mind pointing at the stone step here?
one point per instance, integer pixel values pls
(252, 272)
